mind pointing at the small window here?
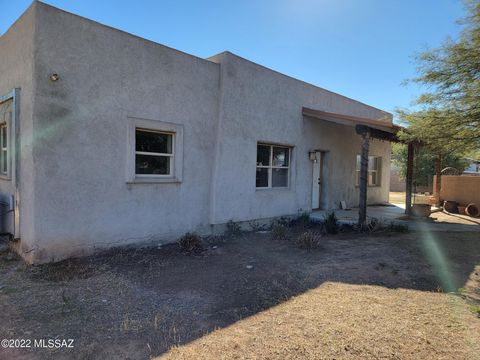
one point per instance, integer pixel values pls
(6, 113)
(153, 153)
(273, 166)
(3, 149)
(374, 170)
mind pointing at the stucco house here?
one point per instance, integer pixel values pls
(109, 139)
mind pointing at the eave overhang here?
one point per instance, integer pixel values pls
(349, 120)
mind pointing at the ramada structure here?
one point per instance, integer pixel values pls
(109, 139)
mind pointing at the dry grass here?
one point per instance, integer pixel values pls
(308, 240)
(399, 198)
(267, 298)
(344, 321)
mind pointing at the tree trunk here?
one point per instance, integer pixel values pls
(409, 180)
(362, 208)
(438, 179)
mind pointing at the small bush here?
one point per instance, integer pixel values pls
(308, 240)
(279, 232)
(375, 225)
(394, 227)
(330, 223)
(233, 227)
(190, 243)
(284, 221)
(255, 226)
(475, 309)
(304, 218)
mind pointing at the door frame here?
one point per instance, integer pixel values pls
(319, 159)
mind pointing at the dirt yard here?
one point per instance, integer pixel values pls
(399, 198)
(247, 296)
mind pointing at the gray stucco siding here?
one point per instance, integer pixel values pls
(261, 105)
(78, 188)
(107, 78)
(16, 72)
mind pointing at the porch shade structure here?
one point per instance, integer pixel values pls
(368, 128)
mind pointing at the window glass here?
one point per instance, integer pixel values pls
(154, 153)
(280, 156)
(372, 163)
(276, 173)
(4, 136)
(263, 155)
(373, 176)
(155, 142)
(279, 177)
(262, 177)
(149, 164)
(6, 109)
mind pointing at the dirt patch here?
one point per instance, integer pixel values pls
(353, 322)
(138, 303)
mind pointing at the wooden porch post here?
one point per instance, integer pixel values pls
(409, 180)
(438, 179)
(362, 208)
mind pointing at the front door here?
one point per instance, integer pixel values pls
(317, 179)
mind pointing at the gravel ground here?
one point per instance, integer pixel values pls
(380, 295)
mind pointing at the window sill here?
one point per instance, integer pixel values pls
(5, 177)
(282, 189)
(153, 180)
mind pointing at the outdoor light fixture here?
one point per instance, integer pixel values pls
(54, 77)
(312, 156)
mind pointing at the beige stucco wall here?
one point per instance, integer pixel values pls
(262, 105)
(79, 197)
(462, 189)
(109, 79)
(398, 184)
(16, 71)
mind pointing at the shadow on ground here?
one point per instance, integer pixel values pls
(138, 303)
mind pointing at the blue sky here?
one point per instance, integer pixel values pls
(360, 48)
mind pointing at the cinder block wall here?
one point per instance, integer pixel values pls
(462, 189)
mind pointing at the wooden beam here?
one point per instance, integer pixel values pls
(409, 179)
(438, 179)
(362, 207)
(384, 122)
(376, 133)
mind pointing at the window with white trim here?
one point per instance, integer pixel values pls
(6, 115)
(273, 166)
(154, 153)
(374, 170)
(4, 149)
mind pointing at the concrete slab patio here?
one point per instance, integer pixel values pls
(438, 221)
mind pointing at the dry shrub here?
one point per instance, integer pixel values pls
(279, 232)
(233, 228)
(330, 223)
(190, 243)
(308, 240)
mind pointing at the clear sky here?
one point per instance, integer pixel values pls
(360, 48)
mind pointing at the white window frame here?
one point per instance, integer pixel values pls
(9, 126)
(271, 166)
(377, 171)
(171, 156)
(176, 163)
(4, 163)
